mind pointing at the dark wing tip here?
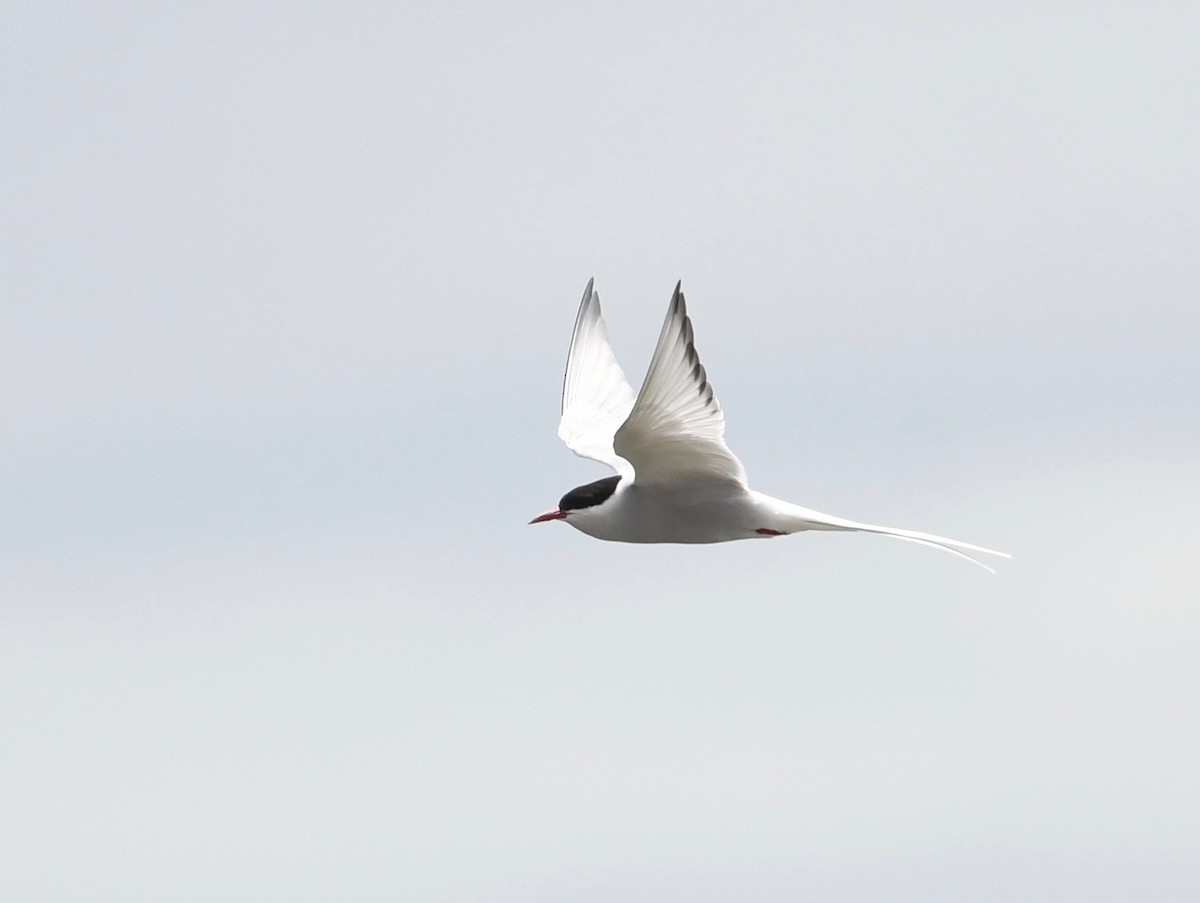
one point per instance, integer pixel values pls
(590, 297)
(677, 299)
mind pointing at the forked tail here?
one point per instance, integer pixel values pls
(794, 518)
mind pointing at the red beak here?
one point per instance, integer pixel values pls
(556, 514)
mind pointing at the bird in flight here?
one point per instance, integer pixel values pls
(676, 479)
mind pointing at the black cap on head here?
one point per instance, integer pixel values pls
(589, 495)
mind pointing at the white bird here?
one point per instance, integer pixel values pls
(677, 481)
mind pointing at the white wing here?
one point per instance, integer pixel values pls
(676, 431)
(596, 395)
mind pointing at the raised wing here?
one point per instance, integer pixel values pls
(676, 431)
(596, 395)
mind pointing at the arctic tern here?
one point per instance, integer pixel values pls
(676, 479)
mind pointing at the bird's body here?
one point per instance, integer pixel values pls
(706, 513)
(677, 481)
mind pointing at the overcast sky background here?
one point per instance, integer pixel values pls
(286, 300)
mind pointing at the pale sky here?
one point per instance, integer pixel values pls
(287, 297)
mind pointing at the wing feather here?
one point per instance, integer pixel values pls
(676, 430)
(597, 398)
